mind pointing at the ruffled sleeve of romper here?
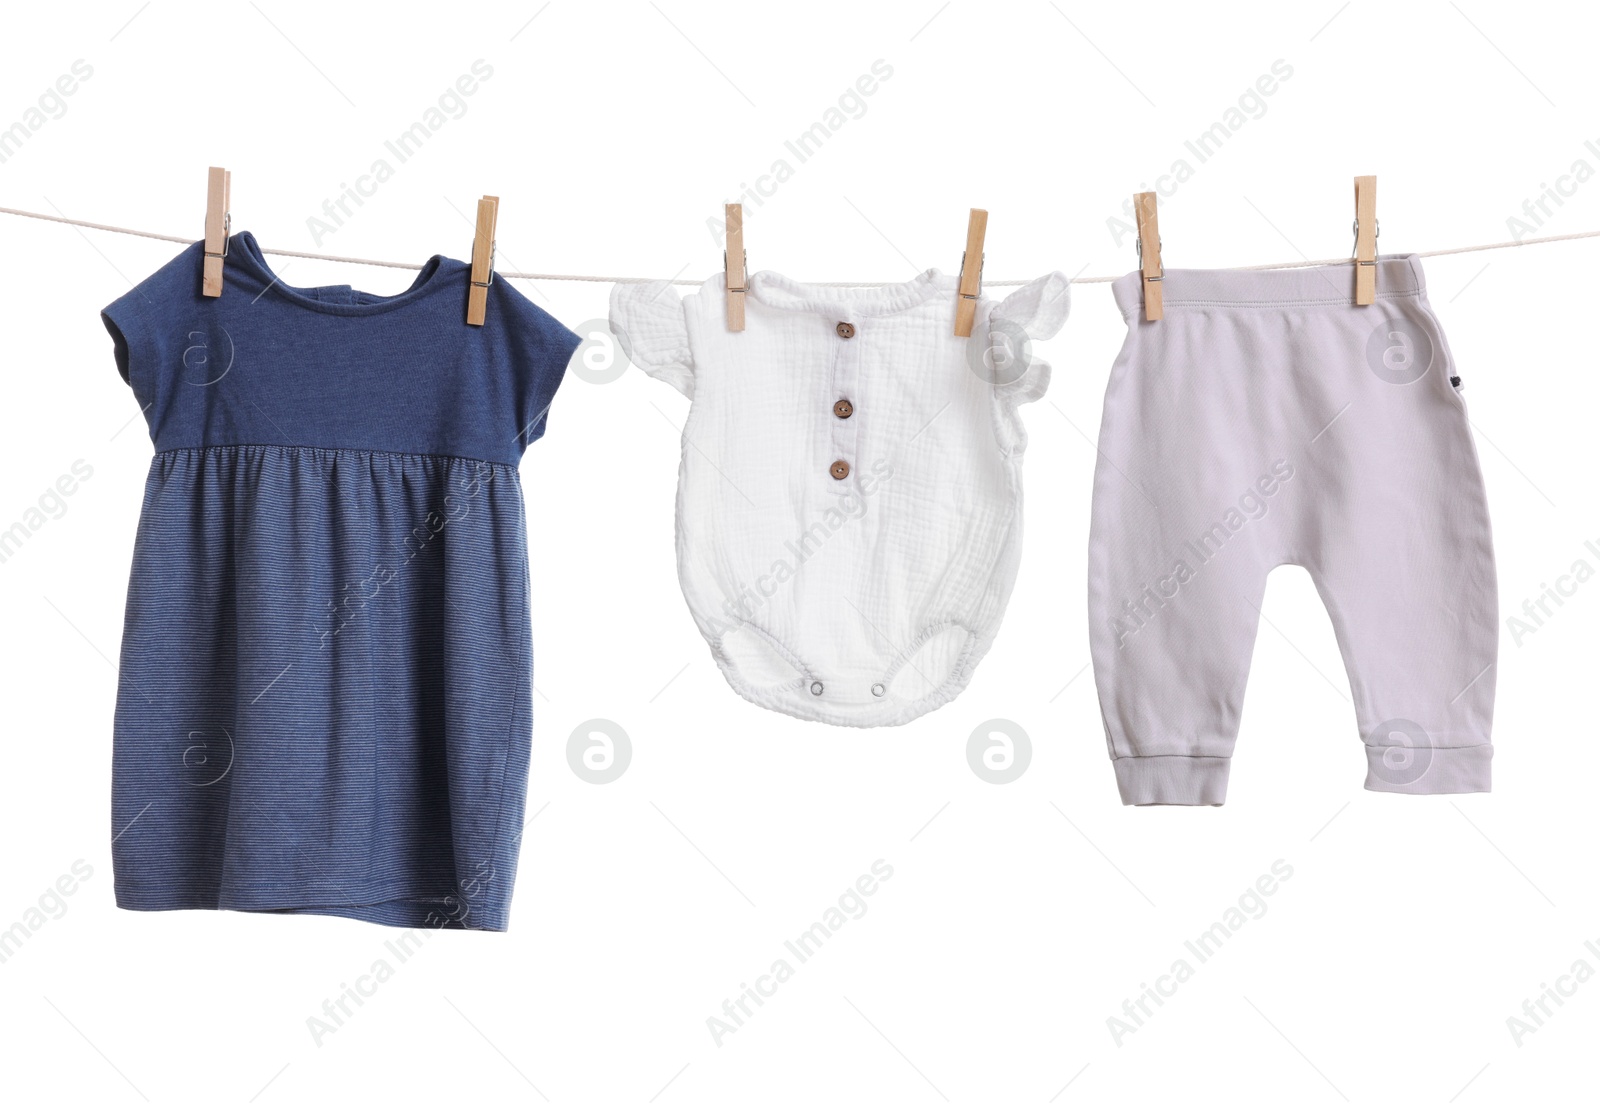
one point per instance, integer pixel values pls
(1034, 312)
(648, 322)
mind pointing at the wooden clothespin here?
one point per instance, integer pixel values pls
(733, 264)
(971, 282)
(1151, 270)
(1366, 240)
(482, 259)
(219, 223)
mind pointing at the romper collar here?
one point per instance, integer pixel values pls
(779, 291)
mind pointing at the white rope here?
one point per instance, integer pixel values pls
(696, 283)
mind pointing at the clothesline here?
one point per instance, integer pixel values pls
(695, 283)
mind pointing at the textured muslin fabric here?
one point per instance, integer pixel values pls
(324, 696)
(1267, 420)
(849, 514)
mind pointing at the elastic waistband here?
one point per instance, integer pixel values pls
(1332, 284)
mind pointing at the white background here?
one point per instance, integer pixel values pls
(1019, 917)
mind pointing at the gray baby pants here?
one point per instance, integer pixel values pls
(1268, 420)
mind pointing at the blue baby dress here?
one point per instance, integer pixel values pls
(323, 704)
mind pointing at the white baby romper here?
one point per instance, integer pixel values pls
(850, 495)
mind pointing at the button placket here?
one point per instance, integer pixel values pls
(840, 409)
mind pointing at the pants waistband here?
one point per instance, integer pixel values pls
(1398, 276)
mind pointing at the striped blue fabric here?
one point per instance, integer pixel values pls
(324, 702)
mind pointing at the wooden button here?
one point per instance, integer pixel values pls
(843, 409)
(845, 329)
(839, 470)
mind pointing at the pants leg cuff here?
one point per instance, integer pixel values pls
(1172, 779)
(1429, 770)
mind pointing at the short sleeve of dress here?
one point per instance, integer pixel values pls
(145, 325)
(538, 349)
(1034, 312)
(648, 322)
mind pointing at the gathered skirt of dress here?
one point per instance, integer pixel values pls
(324, 699)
